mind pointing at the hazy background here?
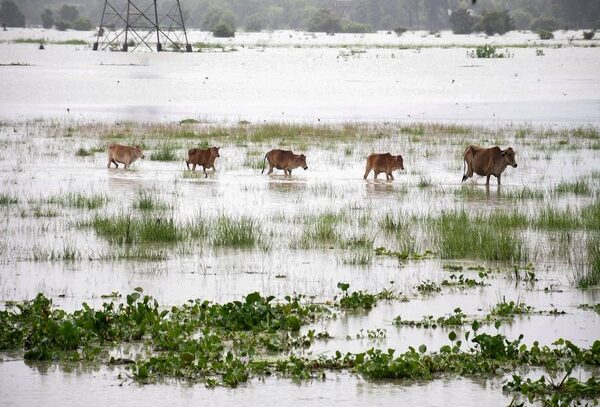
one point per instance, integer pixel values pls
(376, 14)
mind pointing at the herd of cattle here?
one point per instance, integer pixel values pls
(482, 161)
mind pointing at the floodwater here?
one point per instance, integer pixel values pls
(286, 76)
(285, 83)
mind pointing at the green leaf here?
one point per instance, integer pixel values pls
(422, 348)
(452, 336)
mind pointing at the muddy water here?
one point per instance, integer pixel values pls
(307, 83)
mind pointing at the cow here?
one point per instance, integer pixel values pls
(383, 163)
(126, 155)
(203, 157)
(284, 160)
(487, 162)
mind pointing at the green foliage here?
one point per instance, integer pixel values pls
(487, 51)
(544, 390)
(545, 35)
(326, 21)
(62, 25)
(590, 275)
(165, 151)
(457, 318)
(47, 18)
(223, 30)
(6, 199)
(404, 254)
(68, 13)
(236, 232)
(357, 300)
(399, 31)
(82, 24)
(545, 24)
(462, 22)
(589, 35)
(496, 22)
(11, 15)
(220, 22)
(147, 201)
(510, 309)
(255, 22)
(128, 229)
(349, 26)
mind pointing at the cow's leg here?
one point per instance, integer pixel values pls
(487, 182)
(187, 164)
(376, 174)
(194, 167)
(367, 171)
(270, 169)
(391, 176)
(498, 177)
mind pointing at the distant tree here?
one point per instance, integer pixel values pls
(521, 18)
(255, 22)
(462, 22)
(214, 16)
(545, 24)
(82, 24)
(62, 25)
(496, 22)
(325, 21)
(47, 18)
(11, 15)
(69, 13)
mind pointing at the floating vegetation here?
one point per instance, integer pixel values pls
(404, 255)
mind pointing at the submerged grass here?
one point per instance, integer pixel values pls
(457, 236)
(579, 187)
(128, 229)
(234, 232)
(164, 152)
(6, 199)
(588, 274)
(147, 201)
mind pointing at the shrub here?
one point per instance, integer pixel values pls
(354, 27)
(11, 15)
(462, 22)
(324, 20)
(545, 35)
(47, 18)
(62, 25)
(399, 31)
(215, 16)
(496, 22)
(223, 30)
(544, 23)
(487, 51)
(588, 35)
(82, 24)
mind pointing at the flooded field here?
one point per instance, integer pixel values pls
(447, 274)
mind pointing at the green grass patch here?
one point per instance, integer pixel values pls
(458, 236)
(579, 187)
(147, 201)
(6, 199)
(129, 229)
(240, 232)
(164, 152)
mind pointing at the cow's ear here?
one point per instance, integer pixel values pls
(218, 148)
(503, 152)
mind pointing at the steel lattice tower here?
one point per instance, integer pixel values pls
(128, 24)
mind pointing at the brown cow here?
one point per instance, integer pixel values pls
(384, 163)
(118, 153)
(487, 162)
(205, 158)
(284, 160)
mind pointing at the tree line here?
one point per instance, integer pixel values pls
(320, 15)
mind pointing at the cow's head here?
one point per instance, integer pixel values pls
(214, 151)
(301, 161)
(400, 162)
(509, 157)
(137, 151)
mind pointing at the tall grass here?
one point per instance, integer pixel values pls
(78, 200)
(579, 187)
(236, 232)
(320, 229)
(164, 152)
(147, 201)
(127, 229)
(588, 275)
(457, 236)
(6, 199)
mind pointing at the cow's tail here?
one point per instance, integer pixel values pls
(264, 163)
(464, 178)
